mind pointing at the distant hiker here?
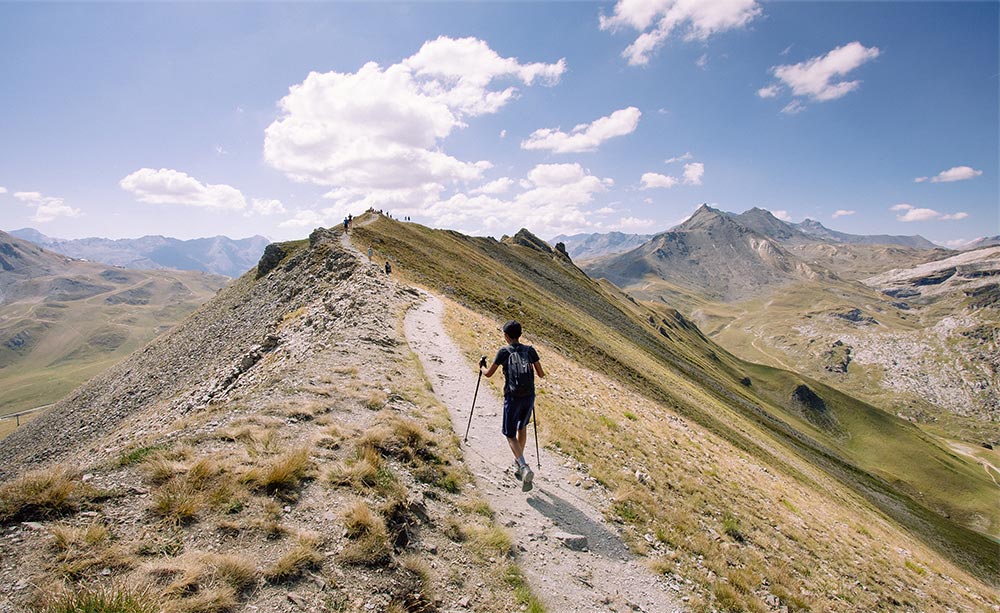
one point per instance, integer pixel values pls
(388, 268)
(520, 363)
(345, 224)
(369, 254)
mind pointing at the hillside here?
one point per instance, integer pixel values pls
(218, 255)
(920, 340)
(659, 354)
(62, 321)
(281, 449)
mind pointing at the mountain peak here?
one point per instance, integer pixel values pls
(527, 239)
(703, 217)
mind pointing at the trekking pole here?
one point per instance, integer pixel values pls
(534, 420)
(482, 363)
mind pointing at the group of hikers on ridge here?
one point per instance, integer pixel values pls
(520, 363)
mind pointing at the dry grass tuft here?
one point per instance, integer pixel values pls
(237, 571)
(369, 544)
(376, 400)
(80, 550)
(43, 494)
(489, 541)
(359, 520)
(401, 438)
(366, 471)
(303, 556)
(101, 599)
(158, 469)
(259, 440)
(177, 501)
(217, 599)
(282, 475)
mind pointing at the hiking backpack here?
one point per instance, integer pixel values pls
(520, 376)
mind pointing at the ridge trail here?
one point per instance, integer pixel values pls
(605, 576)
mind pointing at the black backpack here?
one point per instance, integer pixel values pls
(520, 375)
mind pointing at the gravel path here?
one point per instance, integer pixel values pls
(573, 559)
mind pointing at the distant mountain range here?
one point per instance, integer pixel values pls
(816, 229)
(988, 241)
(590, 246)
(63, 320)
(218, 255)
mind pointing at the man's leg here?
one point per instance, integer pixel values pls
(517, 444)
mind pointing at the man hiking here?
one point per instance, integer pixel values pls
(520, 363)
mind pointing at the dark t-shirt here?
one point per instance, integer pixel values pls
(504, 352)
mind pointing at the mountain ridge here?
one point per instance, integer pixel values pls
(217, 254)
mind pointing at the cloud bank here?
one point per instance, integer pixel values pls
(375, 135)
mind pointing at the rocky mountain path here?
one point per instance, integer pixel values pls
(573, 559)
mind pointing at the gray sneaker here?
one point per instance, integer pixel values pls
(527, 475)
(517, 471)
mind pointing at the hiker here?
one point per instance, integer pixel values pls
(369, 254)
(345, 224)
(388, 267)
(520, 363)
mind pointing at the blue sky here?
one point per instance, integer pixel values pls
(190, 119)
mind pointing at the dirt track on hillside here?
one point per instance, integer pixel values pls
(604, 576)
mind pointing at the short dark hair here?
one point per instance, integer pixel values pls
(512, 329)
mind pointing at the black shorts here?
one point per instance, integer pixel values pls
(516, 413)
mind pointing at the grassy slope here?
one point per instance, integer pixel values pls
(73, 340)
(785, 328)
(595, 325)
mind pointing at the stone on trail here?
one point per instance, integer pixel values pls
(576, 542)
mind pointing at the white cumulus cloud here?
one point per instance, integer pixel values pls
(958, 173)
(680, 158)
(908, 212)
(843, 213)
(498, 186)
(693, 173)
(652, 180)
(267, 207)
(819, 79)
(771, 91)
(3, 190)
(46, 208)
(656, 20)
(375, 135)
(634, 224)
(586, 136)
(552, 202)
(309, 219)
(782, 215)
(165, 186)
